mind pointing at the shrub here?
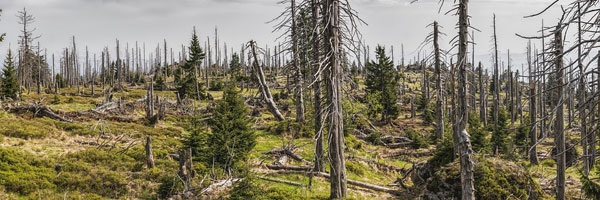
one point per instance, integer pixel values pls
(479, 136)
(169, 185)
(231, 137)
(22, 173)
(375, 138)
(216, 85)
(494, 179)
(417, 140)
(25, 129)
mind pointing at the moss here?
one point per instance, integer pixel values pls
(26, 129)
(355, 168)
(99, 181)
(494, 179)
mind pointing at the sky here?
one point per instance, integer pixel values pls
(98, 23)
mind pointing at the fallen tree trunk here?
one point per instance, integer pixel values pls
(287, 167)
(41, 110)
(281, 181)
(290, 154)
(351, 182)
(263, 87)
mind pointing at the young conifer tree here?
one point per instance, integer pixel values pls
(382, 80)
(9, 83)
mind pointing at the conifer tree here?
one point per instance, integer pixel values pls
(230, 137)
(188, 85)
(9, 84)
(381, 81)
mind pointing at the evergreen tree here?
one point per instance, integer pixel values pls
(231, 138)
(235, 68)
(10, 86)
(383, 79)
(189, 85)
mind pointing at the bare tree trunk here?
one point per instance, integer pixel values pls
(319, 167)
(496, 79)
(263, 87)
(149, 155)
(533, 159)
(559, 121)
(299, 81)
(334, 94)
(186, 171)
(438, 83)
(582, 99)
(482, 97)
(466, 163)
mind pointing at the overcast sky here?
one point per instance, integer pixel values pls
(97, 23)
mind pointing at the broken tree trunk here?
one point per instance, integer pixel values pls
(263, 87)
(186, 172)
(149, 155)
(466, 167)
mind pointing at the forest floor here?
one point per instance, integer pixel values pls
(103, 157)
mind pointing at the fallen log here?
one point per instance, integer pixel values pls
(395, 139)
(282, 181)
(288, 153)
(289, 167)
(352, 182)
(41, 110)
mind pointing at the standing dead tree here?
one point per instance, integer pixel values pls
(339, 35)
(436, 59)
(289, 25)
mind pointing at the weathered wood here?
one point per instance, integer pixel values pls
(282, 181)
(149, 154)
(263, 87)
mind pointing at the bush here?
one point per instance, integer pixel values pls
(231, 137)
(25, 129)
(494, 179)
(22, 173)
(417, 140)
(375, 138)
(169, 185)
(479, 136)
(102, 182)
(216, 85)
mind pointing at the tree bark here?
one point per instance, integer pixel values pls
(438, 83)
(533, 159)
(559, 121)
(149, 155)
(317, 90)
(334, 95)
(263, 87)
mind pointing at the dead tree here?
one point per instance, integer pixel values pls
(559, 109)
(150, 100)
(482, 97)
(532, 112)
(299, 80)
(467, 167)
(466, 163)
(186, 171)
(149, 155)
(262, 85)
(496, 78)
(316, 46)
(438, 83)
